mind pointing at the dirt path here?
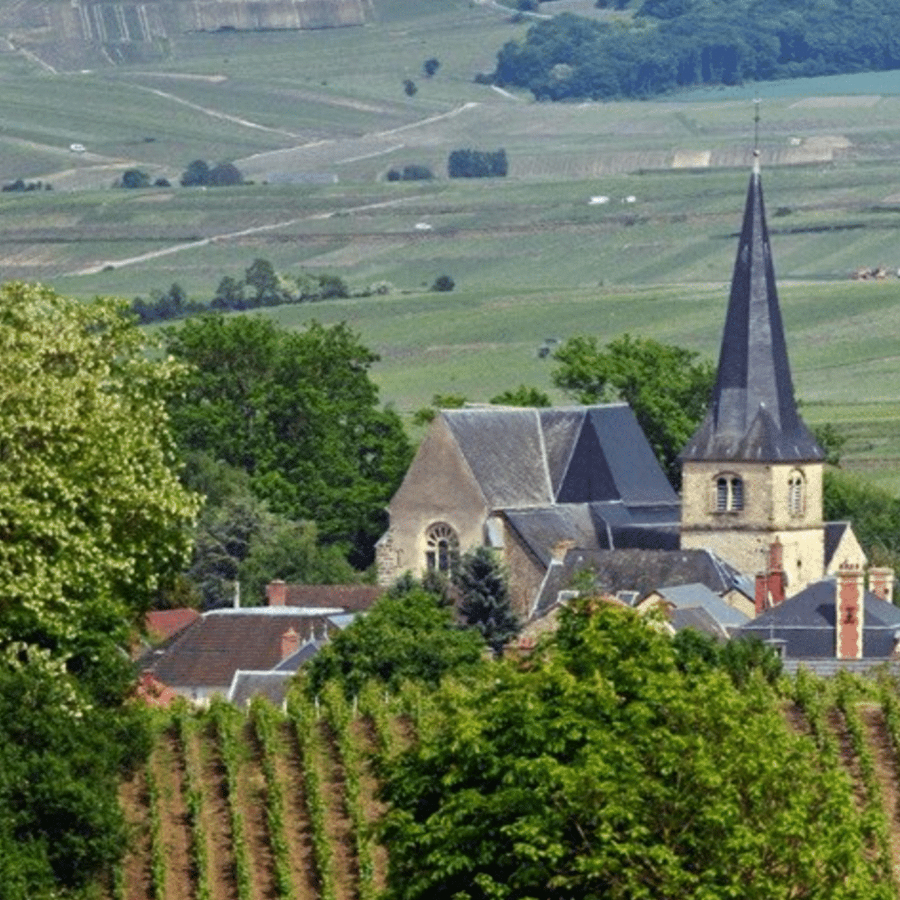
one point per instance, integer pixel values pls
(220, 858)
(337, 824)
(136, 865)
(168, 769)
(886, 768)
(252, 799)
(364, 735)
(297, 828)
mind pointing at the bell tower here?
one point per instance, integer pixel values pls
(752, 472)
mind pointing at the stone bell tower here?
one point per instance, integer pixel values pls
(752, 473)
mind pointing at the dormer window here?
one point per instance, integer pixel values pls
(729, 494)
(796, 494)
(442, 547)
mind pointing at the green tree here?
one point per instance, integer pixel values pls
(667, 387)
(196, 174)
(92, 514)
(522, 396)
(299, 413)
(484, 598)
(94, 521)
(410, 634)
(596, 768)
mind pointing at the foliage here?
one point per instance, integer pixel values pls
(676, 43)
(438, 402)
(298, 412)
(667, 387)
(522, 396)
(409, 635)
(443, 283)
(597, 769)
(135, 178)
(874, 512)
(409, 87)
(831, 440)
(172, 304)
(62, 754)
(477, 163)
(430, 66)
(740, 658)
(92, 514)
(200, 174)
(413, 172)
(483, 590)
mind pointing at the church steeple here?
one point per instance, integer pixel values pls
(752, 414)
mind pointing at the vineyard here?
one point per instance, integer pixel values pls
(272, 803)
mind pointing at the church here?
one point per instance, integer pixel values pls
(562, 490)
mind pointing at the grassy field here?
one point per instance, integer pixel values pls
(532, 257)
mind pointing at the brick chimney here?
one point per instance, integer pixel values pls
(290, 643)
(849, 612)
(776, 579)
(762, 593)
(276, 593)
(881, 583)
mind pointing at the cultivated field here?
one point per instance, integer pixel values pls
(533, 258)
(284, 805)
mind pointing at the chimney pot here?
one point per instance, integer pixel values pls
(290, 643)
(849, 612)
(276, 593)
(881, 583)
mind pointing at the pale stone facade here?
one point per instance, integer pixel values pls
(780, 502)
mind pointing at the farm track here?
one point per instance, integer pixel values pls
(169, 759)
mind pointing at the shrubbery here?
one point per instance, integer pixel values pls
(477, 164)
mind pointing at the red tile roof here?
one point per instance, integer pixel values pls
(351, 597)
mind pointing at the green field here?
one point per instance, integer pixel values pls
(532, 257)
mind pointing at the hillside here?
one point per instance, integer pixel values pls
(282, 806)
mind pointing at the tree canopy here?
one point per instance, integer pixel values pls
(410, 634)
(667, 387)
(679, 43)
(93, 520)
(298, 412)
(597, 768)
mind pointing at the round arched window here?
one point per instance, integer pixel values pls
(441, 547)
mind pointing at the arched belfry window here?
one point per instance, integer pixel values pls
(441, 547)
(796, 493)
(729, 494)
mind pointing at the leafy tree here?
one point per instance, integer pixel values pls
(410, 634)
(522, 396)
(596, 768)
(484, 598)
(94, 521)
(196, 174)
(875, 514)
(443, 284)
(93, 515)
(224, 174)
(477, 164)
(409, 87)
(667, 387)
(229, 294)
(260, 275)
(298, 412)
(438, 401)
(135, 178)
(430, 67)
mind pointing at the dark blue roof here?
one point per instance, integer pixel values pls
(805, 624)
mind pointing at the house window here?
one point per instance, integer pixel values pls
(442, 547)
(796, 494)
(729, 494)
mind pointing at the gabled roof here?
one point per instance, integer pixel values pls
(247, 685)
(207, 654)
(537, 457)
(752, 413)
(805, 624)
(699, 596)
(638, 570)
(697, 618)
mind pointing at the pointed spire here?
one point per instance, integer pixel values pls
(752, 413)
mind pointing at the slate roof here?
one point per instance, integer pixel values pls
(207, 654)
(699, 619)
(538, 457)
(805, 624)
(639, 570)
(752, 413)
(693, 596)
(247, 685)
(834, 532)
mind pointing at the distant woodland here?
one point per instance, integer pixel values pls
(670, 44)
